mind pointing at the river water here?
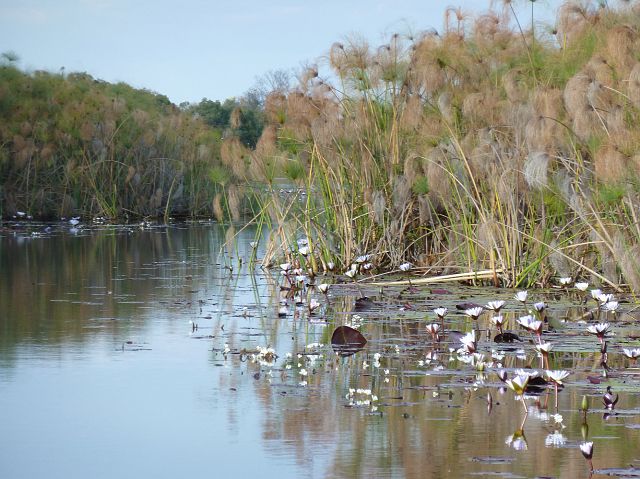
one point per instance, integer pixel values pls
(130, 351)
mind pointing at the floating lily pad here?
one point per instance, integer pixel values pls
(347, 341)
(507, 338)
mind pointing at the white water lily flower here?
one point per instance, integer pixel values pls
(350, 273)
(498, 321)
(495, 305)
(405, 267)
(285, 267)
(323, 288)
(530, 323)
(441, 312)
(556, 376)
(544, 348)
(581, 286)
(595, 293)
(331, 266)
(469, 342)
(363, 258)
(303, 372)
(304, 251)
(631, 353)
(474, 313)
(564, 281)
(611, 306)
(531, 373)
(540, 306)
(605, 298)
(521, 296)
(600, 329)
(433, 329)
(518, 384)
(253, 244)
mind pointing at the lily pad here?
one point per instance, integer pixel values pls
(347, 341)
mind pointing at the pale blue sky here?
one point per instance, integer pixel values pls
(195, 48)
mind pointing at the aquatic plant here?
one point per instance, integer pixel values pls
(474, 150)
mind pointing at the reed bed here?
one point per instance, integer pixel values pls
(74, 145)
(481, 146)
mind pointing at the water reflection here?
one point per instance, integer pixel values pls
(149, 351)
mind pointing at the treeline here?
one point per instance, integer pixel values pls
(482, 145)
(74, 145)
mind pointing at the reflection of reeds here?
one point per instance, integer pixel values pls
(477, 147)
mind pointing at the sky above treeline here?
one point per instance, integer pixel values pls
(216, 49)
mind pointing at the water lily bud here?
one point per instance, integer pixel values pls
(585, 404)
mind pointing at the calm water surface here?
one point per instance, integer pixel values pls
(103, 375)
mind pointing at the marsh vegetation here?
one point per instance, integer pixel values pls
(484, 145)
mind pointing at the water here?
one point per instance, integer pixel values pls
(103, 373)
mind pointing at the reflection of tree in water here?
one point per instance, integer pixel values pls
(105, 283)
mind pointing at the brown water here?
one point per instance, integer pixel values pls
(103, 374)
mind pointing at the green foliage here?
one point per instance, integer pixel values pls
(610, 195)
(251, 125)
(214, 113)
(421, 185)
(294, 170)
(218, 115)
(71, 144)
(219, 175)
(559, 66)
(555, 205)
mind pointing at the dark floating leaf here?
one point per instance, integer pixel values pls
(506, 338)
(347, 341)
(364, 303)
(594, 379)
(440, 291)
(464, 306)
